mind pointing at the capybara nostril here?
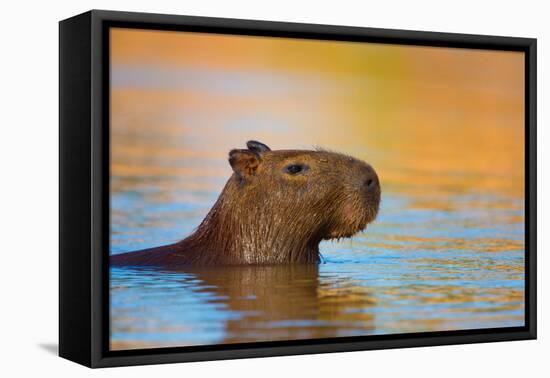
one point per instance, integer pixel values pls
(370, 182)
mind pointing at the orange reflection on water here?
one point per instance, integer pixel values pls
(428, 118)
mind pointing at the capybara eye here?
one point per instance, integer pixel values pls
(294, 169)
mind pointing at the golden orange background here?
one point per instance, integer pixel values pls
(428, 118)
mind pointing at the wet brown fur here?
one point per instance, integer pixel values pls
(265, 215)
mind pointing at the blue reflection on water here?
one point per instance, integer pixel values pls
(412, 270)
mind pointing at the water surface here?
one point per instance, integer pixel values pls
(413, 270)
(442, 127)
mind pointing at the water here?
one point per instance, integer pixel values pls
(447, 249)
(413, 270)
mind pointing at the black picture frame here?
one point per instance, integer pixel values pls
(84, 191)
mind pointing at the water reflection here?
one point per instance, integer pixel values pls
(258, 304)
(370, 292)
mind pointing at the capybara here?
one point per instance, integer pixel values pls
(276, 208)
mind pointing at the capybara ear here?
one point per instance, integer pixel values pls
(244, 162)
(258, 147)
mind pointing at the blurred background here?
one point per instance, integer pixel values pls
(444, 128)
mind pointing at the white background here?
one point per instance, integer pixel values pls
(29, 187)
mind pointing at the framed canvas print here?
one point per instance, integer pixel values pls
(234, 188)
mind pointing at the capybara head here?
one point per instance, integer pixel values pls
(276, 208)
(287, 201)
